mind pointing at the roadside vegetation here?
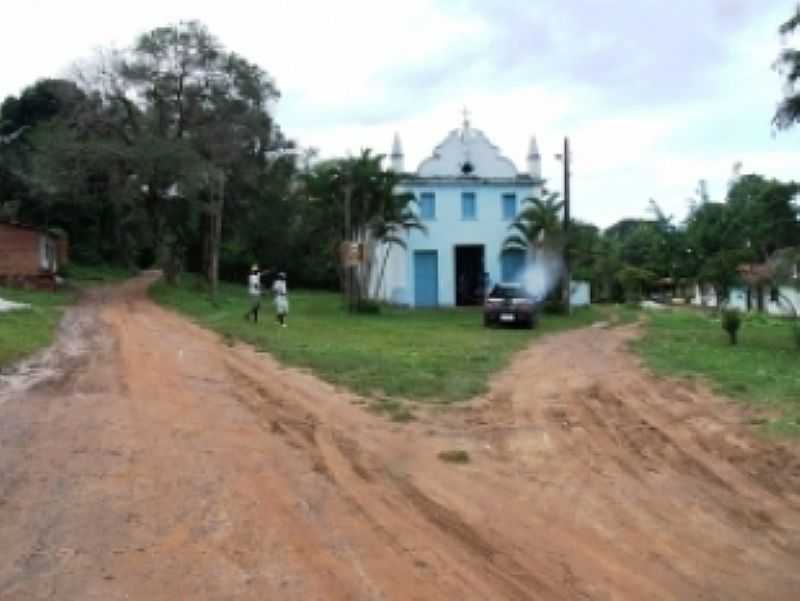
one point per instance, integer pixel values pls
(90, 275)
(761, 370)
(439, 356)
(24, 331)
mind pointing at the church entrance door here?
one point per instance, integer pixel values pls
(470, 279)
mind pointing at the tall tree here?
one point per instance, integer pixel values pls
(193, 115)
(764, 214)
(38, 104)
(359, 194)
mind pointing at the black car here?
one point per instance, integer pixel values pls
(510, 304)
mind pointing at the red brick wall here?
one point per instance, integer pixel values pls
(19, 250)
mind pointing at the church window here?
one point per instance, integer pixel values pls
(468, 206)
(509, 207)
(427, 206)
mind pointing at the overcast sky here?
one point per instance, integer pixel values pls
(654, 94)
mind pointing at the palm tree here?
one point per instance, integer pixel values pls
(538, 225)
(378, 213)
(389, 228)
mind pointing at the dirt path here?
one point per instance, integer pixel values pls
(165, 465)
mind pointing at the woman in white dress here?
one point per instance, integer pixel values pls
(254, 291)
(281, 298)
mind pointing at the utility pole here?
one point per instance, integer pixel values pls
(567, 275)
(348, 274)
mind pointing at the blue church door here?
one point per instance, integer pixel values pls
(426, 278)
(512, 264)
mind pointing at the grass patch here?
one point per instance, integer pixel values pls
(454, 456)
(96, 274)
(396, 410)
(441, 355)
(761, 370)
(24, 331)
(620, 315)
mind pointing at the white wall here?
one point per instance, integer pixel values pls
(788, 302)
(737, 299)
(580, 293)
(393, 287)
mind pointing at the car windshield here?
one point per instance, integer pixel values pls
(505, 291)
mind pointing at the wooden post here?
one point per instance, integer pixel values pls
(215, 239)
(566, 227)
(348, 275)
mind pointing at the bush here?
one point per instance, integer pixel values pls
(553, 306)
(731, 321)
(368, 307)
(455, 456)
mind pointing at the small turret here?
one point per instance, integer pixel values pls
(396, 158)
(534, 160)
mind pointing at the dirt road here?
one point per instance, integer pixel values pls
(158, 463)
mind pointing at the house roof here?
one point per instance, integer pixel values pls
(20, 225)
(757, 273)
(27, 226)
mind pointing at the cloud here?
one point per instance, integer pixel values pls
(648, 51)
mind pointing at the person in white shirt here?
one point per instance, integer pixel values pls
(254, 291)
(281, 298)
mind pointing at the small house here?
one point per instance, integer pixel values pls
(772, 286)
(30, 256)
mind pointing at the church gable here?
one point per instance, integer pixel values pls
(467, 152)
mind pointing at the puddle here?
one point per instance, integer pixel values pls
(49, 365)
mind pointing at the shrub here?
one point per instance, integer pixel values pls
(395, 409)
(454, 456)
(368, 307)
(553, 306)
(731, 321)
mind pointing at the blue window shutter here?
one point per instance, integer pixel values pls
(509, 207)
(468, 206)
(427, 206)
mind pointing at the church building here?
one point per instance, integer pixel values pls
(468, 193)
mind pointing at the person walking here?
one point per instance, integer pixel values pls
(281, 298)
(254, 291)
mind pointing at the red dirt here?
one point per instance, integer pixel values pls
(164, 465)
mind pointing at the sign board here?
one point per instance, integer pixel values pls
(352, 253)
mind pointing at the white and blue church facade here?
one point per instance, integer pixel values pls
(467, 194)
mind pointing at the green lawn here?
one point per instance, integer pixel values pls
(92, 275)
(764, 369)
(27, 330)
(430, 355)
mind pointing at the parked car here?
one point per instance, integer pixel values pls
(510, 303)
